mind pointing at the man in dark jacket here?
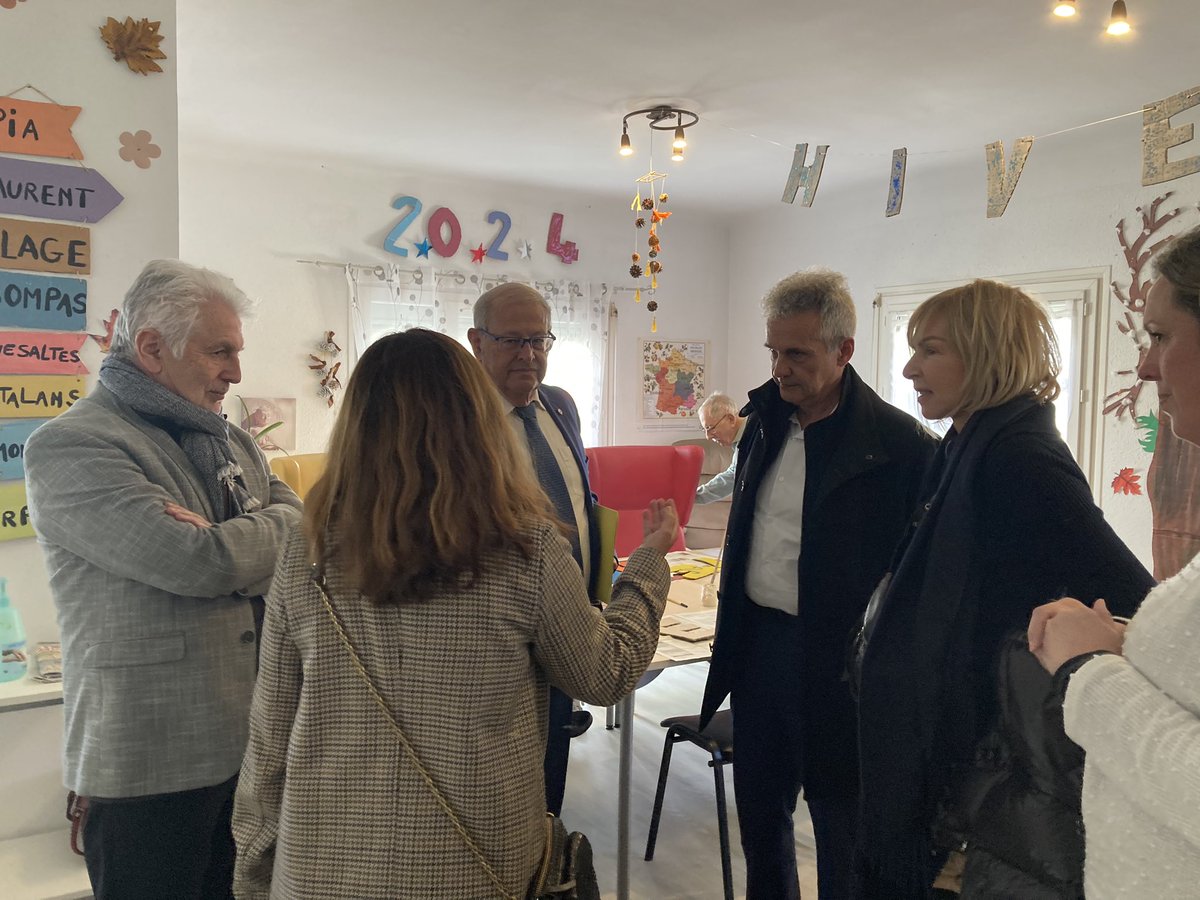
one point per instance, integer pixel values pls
(828, 475)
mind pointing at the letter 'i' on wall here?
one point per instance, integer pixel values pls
(896, 181)
(1158, 137)
(1002, 180)
(804, 176)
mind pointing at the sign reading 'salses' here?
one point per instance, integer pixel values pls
(43, 301)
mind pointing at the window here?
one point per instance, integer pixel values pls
(387, 299)
(1077, 300)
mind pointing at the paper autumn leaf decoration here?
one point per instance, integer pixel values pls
(134, 42)
(1127, 482)
(105, 340)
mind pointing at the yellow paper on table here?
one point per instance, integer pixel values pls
(605, 524)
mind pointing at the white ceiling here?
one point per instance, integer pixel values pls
(533, 91)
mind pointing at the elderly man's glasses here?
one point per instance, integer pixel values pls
(709, 429)
(539, 342)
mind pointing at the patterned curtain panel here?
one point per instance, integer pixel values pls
(386, 299)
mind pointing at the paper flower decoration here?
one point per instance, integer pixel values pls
(136, 43)
(139, 149)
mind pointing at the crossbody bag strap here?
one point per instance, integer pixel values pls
(319, 580)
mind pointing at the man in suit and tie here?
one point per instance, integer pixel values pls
(512, 339)
(160, 523)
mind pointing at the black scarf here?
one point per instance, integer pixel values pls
(203, 435)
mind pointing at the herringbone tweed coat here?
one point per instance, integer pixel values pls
(327, 807)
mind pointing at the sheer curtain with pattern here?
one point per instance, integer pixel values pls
(385, 299)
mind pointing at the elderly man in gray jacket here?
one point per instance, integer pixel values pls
(161, 524)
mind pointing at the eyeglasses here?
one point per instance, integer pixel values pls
(539, 342)
(709, 429)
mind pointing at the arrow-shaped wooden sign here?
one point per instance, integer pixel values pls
(52, 191)
(38, 129)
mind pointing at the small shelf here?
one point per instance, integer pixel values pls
(42, 866)
(26, 693)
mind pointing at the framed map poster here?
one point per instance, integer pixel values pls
(673, 380)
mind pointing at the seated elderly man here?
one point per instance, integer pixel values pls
(719, 418)
(160, 524)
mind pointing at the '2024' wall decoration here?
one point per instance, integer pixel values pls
(443, 235)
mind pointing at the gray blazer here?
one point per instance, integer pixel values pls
(157, 634)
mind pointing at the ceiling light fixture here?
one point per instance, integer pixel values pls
(662, 118)
(1118, 21)
(1064, 8)
(626, 147)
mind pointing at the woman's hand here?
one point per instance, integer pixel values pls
(185, 515)
(1064, 629)
(660, 525)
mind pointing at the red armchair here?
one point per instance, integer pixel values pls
(628, 478)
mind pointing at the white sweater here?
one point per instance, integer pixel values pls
(1138, 718)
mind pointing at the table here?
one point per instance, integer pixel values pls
(684, 600)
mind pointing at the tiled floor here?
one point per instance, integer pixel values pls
(687, 859)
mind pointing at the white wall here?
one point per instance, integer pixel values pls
(252, 216)
(1073, 191)
(55, 46)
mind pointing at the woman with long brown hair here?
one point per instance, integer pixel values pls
(430, 565)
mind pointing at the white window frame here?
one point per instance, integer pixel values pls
(1084, 294)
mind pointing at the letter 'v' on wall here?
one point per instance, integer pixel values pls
(1002, 180)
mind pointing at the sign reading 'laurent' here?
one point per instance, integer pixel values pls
(68, 193)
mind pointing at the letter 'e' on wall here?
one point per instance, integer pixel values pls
(1158, 137)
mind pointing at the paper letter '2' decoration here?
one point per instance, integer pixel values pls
(38, 129)
(804, 176)
(45, 247)
(1001, 182)
(1158, 136)
(896, 181)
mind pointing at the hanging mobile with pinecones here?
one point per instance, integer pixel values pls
(649, 211)
(135, 43)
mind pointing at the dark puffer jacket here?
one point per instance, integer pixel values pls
(1027, 838)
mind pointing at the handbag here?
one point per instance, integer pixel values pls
(567, 870)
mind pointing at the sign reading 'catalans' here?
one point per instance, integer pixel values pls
(37, 396)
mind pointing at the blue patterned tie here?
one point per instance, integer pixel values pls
(549, 474)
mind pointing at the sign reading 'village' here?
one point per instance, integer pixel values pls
(45, 247)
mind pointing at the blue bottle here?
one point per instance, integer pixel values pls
(13, 662)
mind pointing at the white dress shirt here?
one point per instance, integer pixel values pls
(773, 567)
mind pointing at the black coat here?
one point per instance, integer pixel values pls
(856, 508)
(1011, 525)
(1027, 837)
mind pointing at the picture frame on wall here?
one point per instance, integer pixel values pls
(674, 380)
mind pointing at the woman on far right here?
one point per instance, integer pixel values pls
(1132, 694)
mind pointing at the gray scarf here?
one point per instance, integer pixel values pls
(204, 435)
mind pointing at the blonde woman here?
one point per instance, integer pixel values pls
(441, 557)
(1008, 523)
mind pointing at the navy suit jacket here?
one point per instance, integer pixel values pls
(562, 409)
